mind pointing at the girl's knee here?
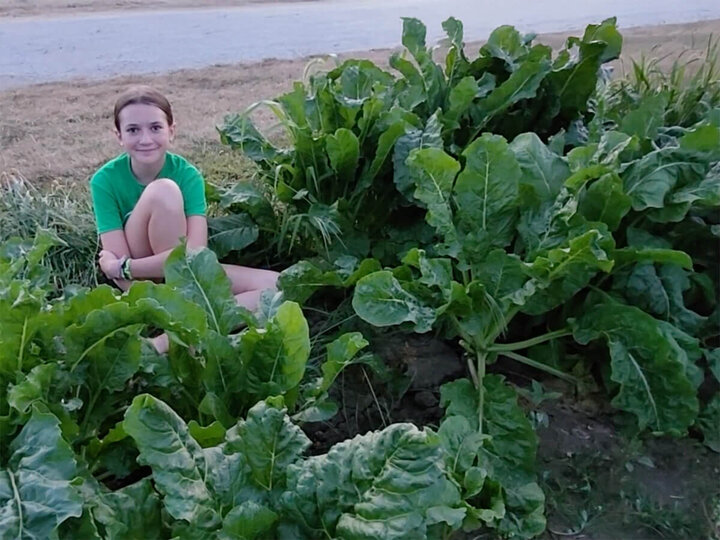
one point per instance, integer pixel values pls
(164, 192)
(271, 279)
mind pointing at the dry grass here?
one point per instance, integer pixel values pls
(25, 8)
(64, 130)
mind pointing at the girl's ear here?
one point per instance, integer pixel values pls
(117, 134)
(171, 131)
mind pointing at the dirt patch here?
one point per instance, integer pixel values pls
(23, 8)
(64, 130)
(601, 485)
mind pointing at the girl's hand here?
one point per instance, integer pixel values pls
(110, 264)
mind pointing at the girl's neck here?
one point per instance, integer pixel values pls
(146, 173)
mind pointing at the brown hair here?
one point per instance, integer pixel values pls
(146, 95)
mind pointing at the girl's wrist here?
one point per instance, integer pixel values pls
(125, 271)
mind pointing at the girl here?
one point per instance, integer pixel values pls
(147, 199)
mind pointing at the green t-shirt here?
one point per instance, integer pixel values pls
(115, 190)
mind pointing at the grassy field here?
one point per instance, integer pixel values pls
(63, 131)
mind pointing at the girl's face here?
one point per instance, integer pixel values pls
(144, 133)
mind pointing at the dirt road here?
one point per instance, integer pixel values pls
(101, 45)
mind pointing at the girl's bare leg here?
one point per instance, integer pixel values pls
(158, 220)
(156, 224)
(249, 283)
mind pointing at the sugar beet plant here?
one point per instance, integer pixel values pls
(343, 185)
(524, 196)
(91, 448)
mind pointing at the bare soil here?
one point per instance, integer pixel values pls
(45, 8)
(64, 131)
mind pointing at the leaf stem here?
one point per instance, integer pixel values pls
(481, 357)
(18, 502)
(518, 345)
(539, 365)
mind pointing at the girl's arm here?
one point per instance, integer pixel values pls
(152, 266)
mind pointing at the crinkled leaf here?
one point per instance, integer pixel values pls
(34, 387)
(36, 490)
(247, 197)
(178, 463)
(506, 452)
(650, 179)
(340, 354)
(522, 84)
(299, 281)
(646, 118)
(270, 443)
(647, 363)
(379, 485)
(238, 131)
(506, 44)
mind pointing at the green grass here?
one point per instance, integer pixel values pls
(62, 207)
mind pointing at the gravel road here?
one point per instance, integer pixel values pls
(34, 50)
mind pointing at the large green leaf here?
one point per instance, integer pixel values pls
(564, 271)
(541, 168)
(486, 194)
(380, 300)
(36, 490)
(647, 363)
(247, 521)
(522, 84)
(274, 358)
(19, 321)
(650, 179)
(648, 116)
(238, 131)
(433, 172)
(501, 452)
(605, 201)
(270, 443)
(231, 233)
(379, 485)
(430, 137)
(130, 512)
(343, 150)
(299, 281)
(433, 80)
(247, 197)
(179, 465)
(506, 44)
(200, 279)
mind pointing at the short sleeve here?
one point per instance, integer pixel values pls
(193, 190)
(107, 212)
